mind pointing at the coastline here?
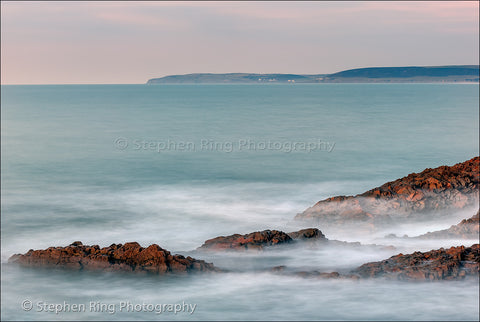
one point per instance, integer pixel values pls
(457, 179)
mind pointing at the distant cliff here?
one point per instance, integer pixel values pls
(432, 74)
(235, 78)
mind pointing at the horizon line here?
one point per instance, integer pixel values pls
(227, 84)
(256, 73)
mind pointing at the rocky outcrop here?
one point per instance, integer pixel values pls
(116, 257)
(260, 239)
(466, 229)
(436, 191)
(442, 264)
(455, 263)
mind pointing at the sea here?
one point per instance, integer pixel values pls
(176, 165)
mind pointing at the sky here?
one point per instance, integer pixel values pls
(124, 42)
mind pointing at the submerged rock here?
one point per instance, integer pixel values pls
(466, 229)
(116, 257)
(283, 270)
(442, 264)
(414, 197)
(260, 239)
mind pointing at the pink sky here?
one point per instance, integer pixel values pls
(130, 42)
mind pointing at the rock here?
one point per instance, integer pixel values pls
(309, 233)
(394, 236)
(433, 191)
(316, 274)
(256, 240)
(280, 268)
(391, 236)
(455, 263)
(466, 229)
(441, 264)
(260, 239)
(116, 257)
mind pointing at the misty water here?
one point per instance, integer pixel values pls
(176, 165)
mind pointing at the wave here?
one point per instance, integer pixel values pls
(178, 217)
(181, 217)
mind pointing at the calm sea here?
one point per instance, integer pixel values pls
(178, 164)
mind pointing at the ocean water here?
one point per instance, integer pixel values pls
(178, 164)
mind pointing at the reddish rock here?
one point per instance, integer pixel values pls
(466, 229)
(256, 240)
(117, 257)
(307, 234)
(455, 263)
(441, 264)
(415, 196)
(433, 191)
(260, 239)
